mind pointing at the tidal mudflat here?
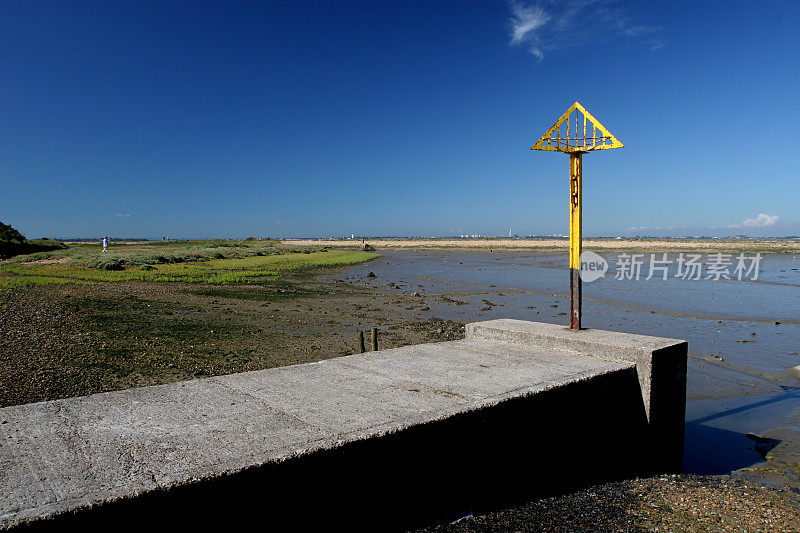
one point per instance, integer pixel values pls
(743, 410)
(77, 321)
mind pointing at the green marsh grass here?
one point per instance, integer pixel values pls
(189, 263)
(24, 282)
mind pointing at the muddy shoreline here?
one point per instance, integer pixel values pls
(81, 339)
(73, 340)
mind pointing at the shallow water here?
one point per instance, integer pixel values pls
(744, 336)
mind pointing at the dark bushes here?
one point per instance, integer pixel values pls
(12, 243)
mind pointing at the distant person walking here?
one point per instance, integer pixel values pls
(105, 244)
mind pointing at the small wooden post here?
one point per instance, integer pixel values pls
(361, 341)
(374, 339)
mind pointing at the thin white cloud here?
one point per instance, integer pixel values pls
(638, 29)
(525, 22)
(123, 215)
(546, 26)
(763, 220)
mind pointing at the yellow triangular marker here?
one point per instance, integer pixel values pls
(586, 135)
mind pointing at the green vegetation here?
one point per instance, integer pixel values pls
(138, 339)
(209, 262)
(12, 243)
(117, 319)
(9, 234)
(154, 253)
(22, 282)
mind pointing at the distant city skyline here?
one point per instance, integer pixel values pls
(211, 119)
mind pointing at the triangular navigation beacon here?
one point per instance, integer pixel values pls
(584, 133)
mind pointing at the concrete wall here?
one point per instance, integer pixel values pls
(524, 448)
(660, 369)
(506, 445)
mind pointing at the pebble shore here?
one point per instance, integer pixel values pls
(685, 503)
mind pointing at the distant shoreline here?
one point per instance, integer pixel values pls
(716, 245)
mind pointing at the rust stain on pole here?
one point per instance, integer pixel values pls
(575, 232)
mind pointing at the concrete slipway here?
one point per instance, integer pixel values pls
(400, 436)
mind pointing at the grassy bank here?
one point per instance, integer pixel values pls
(79, 321)
(210, 262)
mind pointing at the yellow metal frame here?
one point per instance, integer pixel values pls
(553, 141)
(576, 145)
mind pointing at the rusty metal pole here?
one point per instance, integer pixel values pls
(575, 189)
(576, 145)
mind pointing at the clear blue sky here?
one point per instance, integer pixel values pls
(197, 119)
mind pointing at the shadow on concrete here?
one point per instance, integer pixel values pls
(523, 449)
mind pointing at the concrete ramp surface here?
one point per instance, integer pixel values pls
(360, 438)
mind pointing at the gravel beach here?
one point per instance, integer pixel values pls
(685, 503)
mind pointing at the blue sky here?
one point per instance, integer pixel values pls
(204, 119)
